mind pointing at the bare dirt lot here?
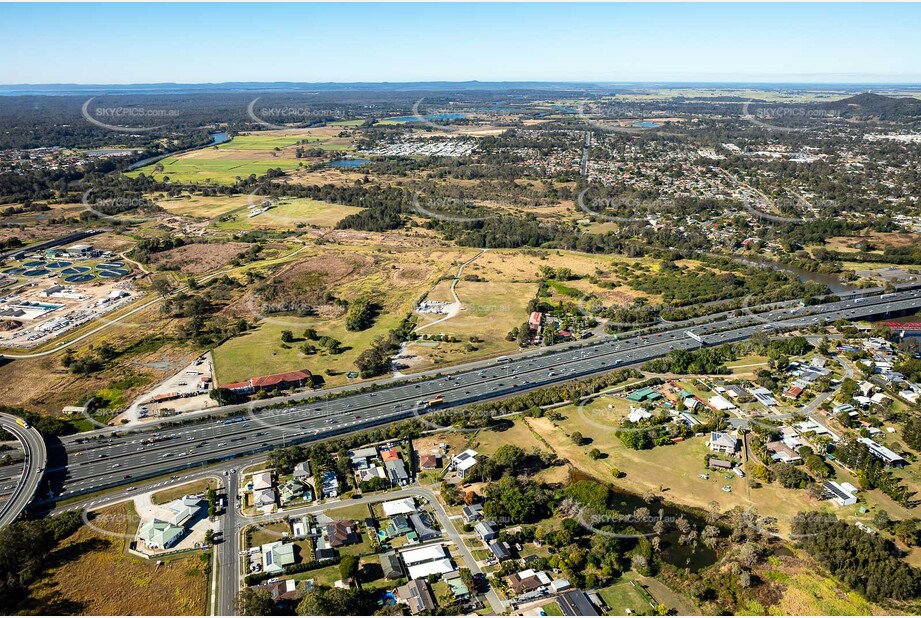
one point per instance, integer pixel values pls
(199, 258)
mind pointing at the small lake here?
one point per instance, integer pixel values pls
(646, 124)
(349, 162)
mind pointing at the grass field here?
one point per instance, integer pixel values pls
(92, 574)
(204, 207)
(394, 279)
(194, 488)
(187, 168)
(811, 594)
(670, 471)
(290, 213)
(623, 596)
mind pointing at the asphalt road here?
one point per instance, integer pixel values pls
(121, 459)
(36, 457)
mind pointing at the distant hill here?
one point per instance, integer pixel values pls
(869, 105)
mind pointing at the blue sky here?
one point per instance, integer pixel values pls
(194, 43)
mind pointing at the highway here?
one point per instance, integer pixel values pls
(36, 457)
(122, 459)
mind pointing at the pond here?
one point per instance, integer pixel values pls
(348, 162)
(623, 504)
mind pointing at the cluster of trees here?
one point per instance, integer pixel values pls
(510, 460)
(871, 472)
(516, 501)
(865, 562)
(361, 314)
(704, 360)
(375, 360)
(912, 433)
(25, 550)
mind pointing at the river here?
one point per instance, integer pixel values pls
(831, 281)
(216, 138)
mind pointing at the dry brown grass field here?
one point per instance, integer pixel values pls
(92, 574)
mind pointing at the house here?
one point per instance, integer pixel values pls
(764, 396)
(839, 494)
(399, 507)
(793, 392)
(459, 589)
(390, 564)
(527, 580)
(638, 414)
(330, 484)
(396, 470)
(263, 498)
(291, 490)
(535, 320)
(576, 603)
(369, 474)
(736, 392)
(644, 394)
(486, 530)
(182, 509)
(281, 592)
(721, 442)
(464, 461)
(360, 457)
(159, 534)
(779, 451)
(276, 556)
(288, 379)
(434, 567)
(719, 464)
(389, 454)
(472, 513)
(301, 527)
(501, 551)
(720, 403)
(398, 526)
(341, 533)
(423, 529)
(302, 472)
(424, 554)
(262, 480)
(416, 594)
(890, 458)
(429, 462)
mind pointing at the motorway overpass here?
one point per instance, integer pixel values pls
(36, 457)
(120, 458)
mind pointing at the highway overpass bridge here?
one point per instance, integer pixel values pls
(36, 458)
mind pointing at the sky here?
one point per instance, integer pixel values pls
(211, 43)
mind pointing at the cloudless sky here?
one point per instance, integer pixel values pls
(195, 43)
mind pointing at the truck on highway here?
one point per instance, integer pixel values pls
(436, 401)
(22, 423)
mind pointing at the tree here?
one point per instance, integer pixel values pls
(254, 602)
(287, 336)
(577, 438)
(349, 568)
(594, 454)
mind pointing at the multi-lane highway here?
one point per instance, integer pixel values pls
(121, 459)
(33, 466)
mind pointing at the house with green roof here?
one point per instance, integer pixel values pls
(276, 556)
(644, 394)
(159, 534)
